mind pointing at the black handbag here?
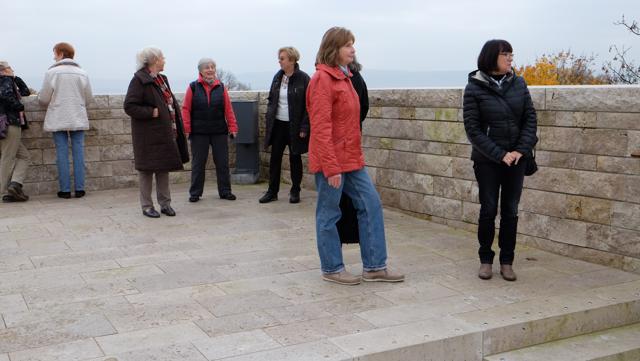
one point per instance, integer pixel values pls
(531, 167)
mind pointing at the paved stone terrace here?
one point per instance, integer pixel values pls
(92, 279)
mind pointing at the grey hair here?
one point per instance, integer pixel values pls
(3, 65)
(206, 61)
(147, 56)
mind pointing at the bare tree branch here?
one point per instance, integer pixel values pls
(632, 27)
(620, 69)
(230, 80)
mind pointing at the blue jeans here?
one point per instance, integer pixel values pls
(373, 247)
(61, 140)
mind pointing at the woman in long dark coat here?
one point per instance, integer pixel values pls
(348, 223)
(159, 144)
(287, 123)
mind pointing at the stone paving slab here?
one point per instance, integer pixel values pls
(616, 344)
(91, 279)
(71, 351)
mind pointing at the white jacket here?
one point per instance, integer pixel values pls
(66, 91)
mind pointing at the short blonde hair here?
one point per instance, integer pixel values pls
(147, 56)
(332, 41)
(4, 65)
(292, 53)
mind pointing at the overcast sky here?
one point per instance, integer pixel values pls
(243, 36)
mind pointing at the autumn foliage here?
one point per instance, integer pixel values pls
(563, 68)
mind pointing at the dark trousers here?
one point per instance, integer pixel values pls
(348, 222)
(200, 144)
(504, 182)
(281, 138)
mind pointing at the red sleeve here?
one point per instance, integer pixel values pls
(229, 114)
(320, 107)
(186, 110)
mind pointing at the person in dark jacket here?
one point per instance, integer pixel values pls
(501, 123)
(348, 223)
(208, 120)
(159, 144)
(14, 156)
(287, 123)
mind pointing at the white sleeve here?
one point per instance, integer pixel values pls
(44, 96)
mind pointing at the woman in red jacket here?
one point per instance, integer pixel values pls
(336, 159)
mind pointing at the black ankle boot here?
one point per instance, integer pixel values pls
(507, 239)
(486, 233)
(294, 197)
(15, 190)
(268, 197)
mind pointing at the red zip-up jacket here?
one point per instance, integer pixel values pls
(229, 115)
(334, 114)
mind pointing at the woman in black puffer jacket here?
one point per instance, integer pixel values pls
(501, 123)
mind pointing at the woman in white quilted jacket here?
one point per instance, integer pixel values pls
(66, 91)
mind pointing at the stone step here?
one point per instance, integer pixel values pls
(476, 334)
(537, 321)
(616, 344)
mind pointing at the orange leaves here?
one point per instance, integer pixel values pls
(563, 68)
(543, 72)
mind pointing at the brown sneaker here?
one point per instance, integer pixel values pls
(507, 272)
(485, 272)
(384, 275)
(343, 277)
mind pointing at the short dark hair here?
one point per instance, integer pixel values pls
(488, 58)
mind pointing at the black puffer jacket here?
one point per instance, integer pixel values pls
(492, 128)
(11, 88)
(298, 117)
(363, 94)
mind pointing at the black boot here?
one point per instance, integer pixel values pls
(294, 197)
(486, 232)
(268, 197)
(15, 190)
(507, 239)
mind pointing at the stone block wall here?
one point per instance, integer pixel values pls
(584, 202)
(108, 149)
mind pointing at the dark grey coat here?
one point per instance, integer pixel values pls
(155, 146)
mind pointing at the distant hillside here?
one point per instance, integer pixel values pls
(262, 80)
(380, 78)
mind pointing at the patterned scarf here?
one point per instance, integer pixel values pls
(168, 98)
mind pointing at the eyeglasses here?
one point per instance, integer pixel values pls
(508, 55)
